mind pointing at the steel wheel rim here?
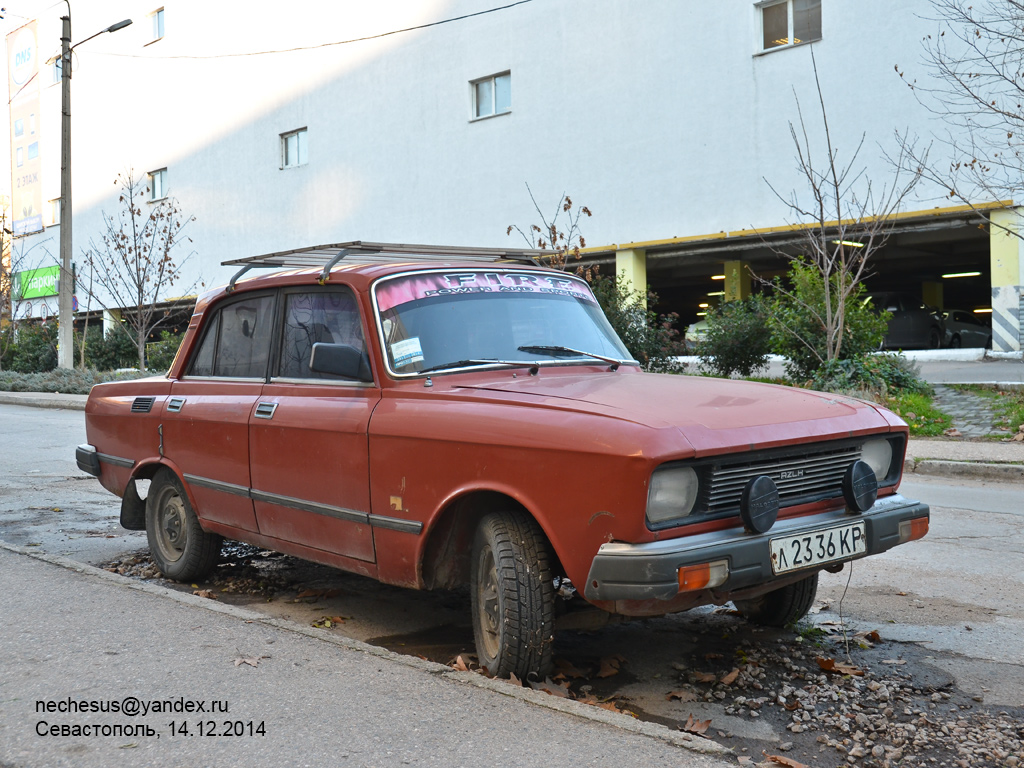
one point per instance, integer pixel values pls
(487, 602)
(171, 531)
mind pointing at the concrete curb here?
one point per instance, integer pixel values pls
(42, 401)
(970, 469)
(538, 698)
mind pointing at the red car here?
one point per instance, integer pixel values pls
(434, 423)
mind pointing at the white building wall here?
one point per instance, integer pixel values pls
(658, 115)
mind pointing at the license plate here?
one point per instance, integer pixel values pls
(791, 553)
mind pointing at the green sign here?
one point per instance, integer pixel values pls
(34, 283)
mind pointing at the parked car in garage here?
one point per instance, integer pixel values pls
(967, 329)
(913, 325)
(433, 418)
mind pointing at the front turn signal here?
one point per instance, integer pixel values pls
(913, 529)
(703, 576)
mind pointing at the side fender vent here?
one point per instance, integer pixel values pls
(143, 404)
(175, 403)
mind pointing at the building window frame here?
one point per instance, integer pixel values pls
(490, 96)
(157, 184)
(810, 27)
(295, 148)
(157, 20)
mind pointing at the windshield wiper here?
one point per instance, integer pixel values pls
(555, 351)
(467, 363)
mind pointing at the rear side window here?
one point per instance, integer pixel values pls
(237, 340)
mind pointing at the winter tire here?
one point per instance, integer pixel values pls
(783, 606)
(512, 597)
(180, 548)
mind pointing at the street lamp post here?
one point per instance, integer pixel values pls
(65, 312)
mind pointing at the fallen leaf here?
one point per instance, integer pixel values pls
(712, 656)
(792, 706)
(1018, 438)
(705, 677)
(551, 687)
(789, 762)
(460, 665)
(730, 678)
(868, 639)
(326, 622)
(204, 593)
(681, 696)
(952, 432)
(838, 667)
(695, 726)
(897, 662)
(567, 668)
(610, 666)
(514, 680)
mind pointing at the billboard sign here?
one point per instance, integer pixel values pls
(36, 283)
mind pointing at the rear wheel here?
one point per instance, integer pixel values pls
(513, 597)
(180, 548)
(782, 607)
(955, 342)
(934, 338)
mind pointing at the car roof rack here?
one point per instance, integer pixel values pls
(357, 251)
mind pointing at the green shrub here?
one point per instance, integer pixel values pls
(160, 354)
(872, 376)
(738, 339)
(110, 352)
(799, 334)
(650, 338)
(68, 382)
(35, 348)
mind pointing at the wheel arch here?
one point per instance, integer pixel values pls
(447, 551)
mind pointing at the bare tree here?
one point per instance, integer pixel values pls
(564, 241)
(134, 264)
(976, 86)
(843, 222)
(14, 258)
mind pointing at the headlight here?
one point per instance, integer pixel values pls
(672, 494)
(877, 454)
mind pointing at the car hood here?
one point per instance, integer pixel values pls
(711, 413)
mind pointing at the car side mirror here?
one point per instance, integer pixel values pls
(341, 360)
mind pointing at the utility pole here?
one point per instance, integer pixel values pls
(65, 311)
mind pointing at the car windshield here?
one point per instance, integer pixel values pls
(436, 320)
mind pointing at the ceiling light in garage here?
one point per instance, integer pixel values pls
(718, 277)
(850, 243)
(962, 274)
(983, 311)
(717, 293)
(703, 306)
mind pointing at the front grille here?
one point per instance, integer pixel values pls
(800, 477)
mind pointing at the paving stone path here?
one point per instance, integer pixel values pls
(972, 414)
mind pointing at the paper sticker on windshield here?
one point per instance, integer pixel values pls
(402, 290)
(407, 352)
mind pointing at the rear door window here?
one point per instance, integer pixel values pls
(237, 340)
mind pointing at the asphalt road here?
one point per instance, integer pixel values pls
(949, 603)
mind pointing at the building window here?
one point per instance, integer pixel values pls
(157, 184)
(491, 95)
(158, 24)
(55, 211)
(789, 22)
(293, 148)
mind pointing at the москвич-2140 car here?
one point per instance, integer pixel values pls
(436, 417)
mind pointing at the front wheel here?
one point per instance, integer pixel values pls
(180, 548)
(934, 339)
(513, 597)
(782, 607)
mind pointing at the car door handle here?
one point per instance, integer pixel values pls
(265, 410)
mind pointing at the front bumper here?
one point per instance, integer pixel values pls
(651, 571)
